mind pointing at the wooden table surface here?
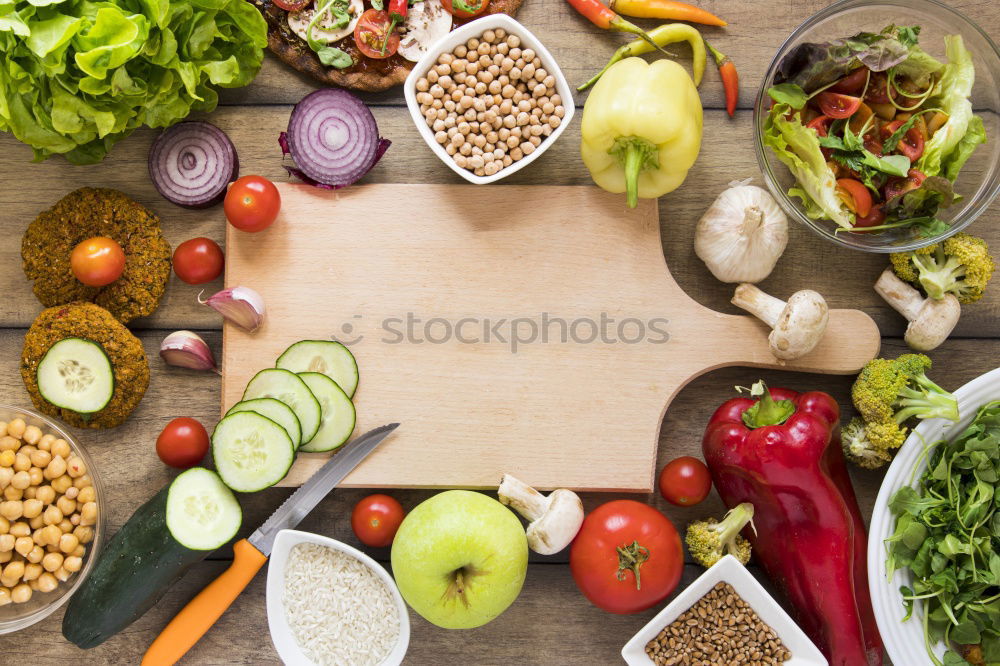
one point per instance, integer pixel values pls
(550, 622)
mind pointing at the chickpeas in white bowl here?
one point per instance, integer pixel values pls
(489, 98)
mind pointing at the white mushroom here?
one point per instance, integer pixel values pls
(798, 325)
(931, 320)
(553, 520)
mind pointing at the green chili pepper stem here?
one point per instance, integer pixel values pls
(620, 24)
(720, 59)
(620, 54)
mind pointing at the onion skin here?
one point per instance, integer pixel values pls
(196, 151)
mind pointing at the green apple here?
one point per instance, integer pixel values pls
(459, 559)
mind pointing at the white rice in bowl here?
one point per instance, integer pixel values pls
(339, 610)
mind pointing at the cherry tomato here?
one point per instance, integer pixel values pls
(97, 261)
(897, 186)
(852, 84)
(878, 89)
(912, 143)
(183, 443)
(821, 124)
(617, 541)
(872, 143)
(836, 105)
(198, 260)
(370, 34)
(252, 203)
(465, 8)
(685, 481)
(875, 217)
(375, 520)
(291, 5)
(855, 196)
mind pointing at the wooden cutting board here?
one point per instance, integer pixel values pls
(530, 330)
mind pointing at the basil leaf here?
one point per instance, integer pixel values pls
(331, 56)
(890, 144)
(894, 165)
(788, 93)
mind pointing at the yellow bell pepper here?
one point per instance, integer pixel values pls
(641, 128)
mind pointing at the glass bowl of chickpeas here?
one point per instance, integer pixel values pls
(51, 517)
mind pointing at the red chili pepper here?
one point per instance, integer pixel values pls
(730, 78)
(782, 453)
(599, 14)
(397, 12)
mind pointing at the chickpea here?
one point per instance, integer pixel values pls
(55, 469)
(7, 543)
(22, 463)
(21, 480)
(47, 582)
(31, 572)
(36, 555)
(513, 41)
(16, 428)
(460, 51)
(6, 556)
(29, 492)
(4, 525)
(12, 494)
(442, 70)
(52, 515)
(52, 561)
(45, 494)
(51, 535)
(62, 484)
(8, 443)
(20, 594)
(62, 574)
(45, 443)
(12, 573)
(20, 529)
(40, 458)
(88, 514)
(32, 434)
(66, 525)
(7, 458)
(472, 44)
(66, 505)
(11, 510)
(4, 596)
(555, 121)
(79, 551)
(23, 545)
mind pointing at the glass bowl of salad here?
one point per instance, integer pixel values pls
(878, 123)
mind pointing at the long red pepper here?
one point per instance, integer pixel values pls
(730, 78)
(397, 12)
(782, 453)
(599, 14)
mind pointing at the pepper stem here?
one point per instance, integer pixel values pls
(619, 54)
(635, 154)
(766, 411)
(630, 558)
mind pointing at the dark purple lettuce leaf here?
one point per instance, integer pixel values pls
(813, 65)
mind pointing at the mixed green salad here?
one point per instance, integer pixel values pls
(948, 534)
(874, 129)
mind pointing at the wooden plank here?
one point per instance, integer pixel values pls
(752, 38)
(840, 274)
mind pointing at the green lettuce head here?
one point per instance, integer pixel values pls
(76, 76)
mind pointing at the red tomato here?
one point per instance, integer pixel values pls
(252, 203)
(897, 186)
(872, 144)
(821, 124)
(852, 84)
(836, 105)
(198, 260)
(878, 89)
(912, 143)
(291, 5)
(685, 481)
(875, 217)
(97, 261)
(855, 196)
(375, 520)
(370, 34)
(627, 557)
(465, 8)
(183, 443)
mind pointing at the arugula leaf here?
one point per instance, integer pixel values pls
(788, 93)
(907, 35)
(331, 56)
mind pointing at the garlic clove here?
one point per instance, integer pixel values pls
(187, 349)
(241, 306)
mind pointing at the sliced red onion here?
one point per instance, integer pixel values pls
(333, 139)
(192, 163)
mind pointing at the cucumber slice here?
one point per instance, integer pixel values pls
(251, 452)
(202, 513)
(287, 387)
(275, 410)
(76, 374)
(326, 356)
(337, 422)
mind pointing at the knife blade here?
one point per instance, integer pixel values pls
(302, 501)
(249, 555)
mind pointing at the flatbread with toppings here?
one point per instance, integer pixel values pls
(356, 45)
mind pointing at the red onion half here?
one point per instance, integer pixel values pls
(333, 138)
(192, 163)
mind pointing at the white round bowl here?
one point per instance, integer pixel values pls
(281, 634)
(904, 641)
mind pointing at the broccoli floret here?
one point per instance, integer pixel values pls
(961, 265)
(898, 390)
(709, 540)
(871, 449)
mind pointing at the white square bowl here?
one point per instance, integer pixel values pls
(281, 634)
(461, 35)
(729, 570)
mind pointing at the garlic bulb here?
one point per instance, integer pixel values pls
(742, 234)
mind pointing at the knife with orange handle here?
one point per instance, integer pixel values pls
(250, 554)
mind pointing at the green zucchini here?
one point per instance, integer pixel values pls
(145, 557)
